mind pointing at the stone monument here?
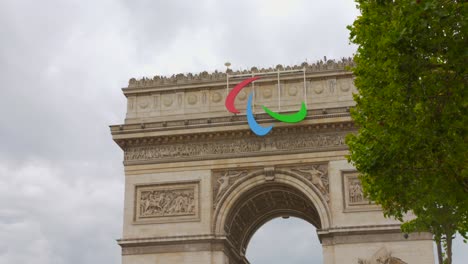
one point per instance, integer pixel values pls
(199, 183)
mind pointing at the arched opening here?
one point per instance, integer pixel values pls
(262, 203)
(291, 240)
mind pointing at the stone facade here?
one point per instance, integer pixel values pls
(199, 183)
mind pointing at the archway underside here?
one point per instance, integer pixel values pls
(262, 204)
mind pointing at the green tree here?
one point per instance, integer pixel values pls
(411, 110)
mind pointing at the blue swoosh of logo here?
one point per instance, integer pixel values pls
(254, 126)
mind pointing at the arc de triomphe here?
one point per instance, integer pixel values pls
(199, 183)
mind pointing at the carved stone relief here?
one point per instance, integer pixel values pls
(216, 97)
(318, 86)
(382, 256)
(292, 91)
(355, 194)
(144, 103)
(166, 202)
(325, 90)
(318, 176)
(330, 89)
(345, 84)
(354, 199)
(267, 93)
(332, 85)
(168, 100)
(222, 180)
(192, 98)
(232, 147)
(242, 95)
(306, 141)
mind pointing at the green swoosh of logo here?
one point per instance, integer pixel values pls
(292, 118)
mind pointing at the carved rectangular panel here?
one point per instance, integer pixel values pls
(169, 202)
(353, 196)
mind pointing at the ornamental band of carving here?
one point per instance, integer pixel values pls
(230, 147)
(166, 201)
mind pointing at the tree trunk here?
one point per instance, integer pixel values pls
(439, 251)
(449, 249)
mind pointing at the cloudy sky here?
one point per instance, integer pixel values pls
(62, 64)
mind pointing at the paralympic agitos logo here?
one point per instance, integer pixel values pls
(254, 126)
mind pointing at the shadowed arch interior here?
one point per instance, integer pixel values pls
(263, 203)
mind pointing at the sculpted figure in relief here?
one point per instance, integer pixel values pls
(356, 194)
(166, 202)
(382, 256)
(316, 178)
(317, 175)
(224, 182)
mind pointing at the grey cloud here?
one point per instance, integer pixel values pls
(62, 64)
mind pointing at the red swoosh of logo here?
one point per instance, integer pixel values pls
(232, 95)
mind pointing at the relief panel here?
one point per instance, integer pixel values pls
(168, 101)
(353, 196)
(216, 99)
(267, 95)
(144, 104)
(241, 100)
(176, 202)
(328, 92)
(292, 94)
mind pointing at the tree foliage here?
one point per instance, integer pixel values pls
(411, 109)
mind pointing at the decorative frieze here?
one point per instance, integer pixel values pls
(182, 150)
(167, 202)
(320, 93)
(305, 141)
